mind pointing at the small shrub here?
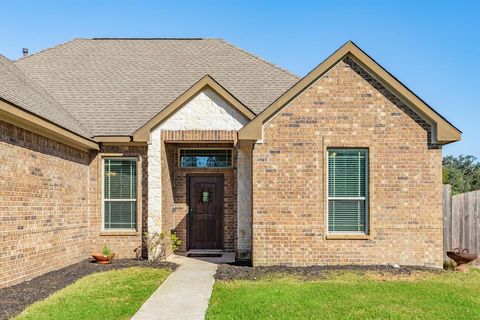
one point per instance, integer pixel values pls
(175, 242)
(106, 251)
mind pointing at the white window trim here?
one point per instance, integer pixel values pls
(204, 168)
(366, 198)
(113, 200)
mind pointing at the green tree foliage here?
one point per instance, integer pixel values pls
(462, 172)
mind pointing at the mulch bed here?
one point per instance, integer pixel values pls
(14, 299)
(228, 272)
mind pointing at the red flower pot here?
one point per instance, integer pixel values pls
(101, 259)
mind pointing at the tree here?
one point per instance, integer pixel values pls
(462, 173)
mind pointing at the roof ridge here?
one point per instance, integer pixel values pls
(260, 59)
(147, 38)
(48, 49)
(36, 87)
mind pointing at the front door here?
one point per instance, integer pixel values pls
(205, 212)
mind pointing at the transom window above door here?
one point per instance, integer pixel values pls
(205, 158)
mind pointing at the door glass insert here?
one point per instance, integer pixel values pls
(205, 196)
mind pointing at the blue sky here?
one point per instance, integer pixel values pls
(433, 47)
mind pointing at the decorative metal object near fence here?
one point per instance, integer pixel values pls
(461, 258)
(461, 222)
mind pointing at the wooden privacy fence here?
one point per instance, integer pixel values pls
(461, 218)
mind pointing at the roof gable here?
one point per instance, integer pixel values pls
(204, 83)
(205, 111)
(444, 131)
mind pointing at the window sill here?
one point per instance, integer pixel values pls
(119, 233)
(349, 237)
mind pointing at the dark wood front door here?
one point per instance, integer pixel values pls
(205, 212)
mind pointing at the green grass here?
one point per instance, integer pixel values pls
(350, 296)
(115, 294)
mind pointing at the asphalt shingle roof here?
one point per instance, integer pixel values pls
(18, 89)
(114, 86)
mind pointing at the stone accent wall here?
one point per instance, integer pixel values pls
(44, 205)
(347, 108)
(174, 197)
(206, 111)
(154, 152)
(244, 201)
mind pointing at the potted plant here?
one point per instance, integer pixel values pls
(105, 257)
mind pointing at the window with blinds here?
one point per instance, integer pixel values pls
(119, 193)
(348, 191)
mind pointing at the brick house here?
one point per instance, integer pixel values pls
(104, 140)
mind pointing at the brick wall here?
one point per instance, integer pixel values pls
(50, 205)
(346, 108)
(122, 243)
(43, 205)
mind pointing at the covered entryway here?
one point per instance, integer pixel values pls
(197, 135)
(205, 216)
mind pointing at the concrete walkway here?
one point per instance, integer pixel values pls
(184, 295)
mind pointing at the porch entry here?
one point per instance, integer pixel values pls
(205, 216)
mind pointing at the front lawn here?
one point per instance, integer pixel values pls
(350, 295)
(115, 294)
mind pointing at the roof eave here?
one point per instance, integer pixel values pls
(17, 116)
